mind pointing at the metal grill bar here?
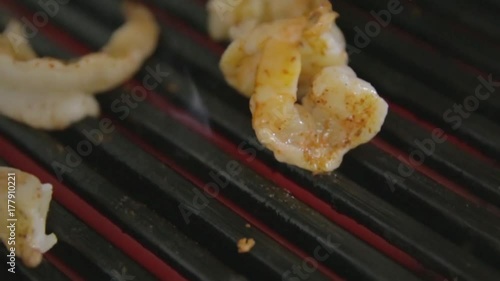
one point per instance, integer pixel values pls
(434, 29)
(479, 16)
(215, 226)
(425, 64)
(293, 217)
(133, 216)
(87, 252)
(479, 176)
(87, 214)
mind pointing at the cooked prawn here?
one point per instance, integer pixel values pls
(308, 106)
(320, 42)
(231, 19)
(339, 113)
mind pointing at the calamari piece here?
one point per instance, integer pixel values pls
(31, 201)
(308, 106)
(320, 42)
(14, 43)
(48, 93)
(231, 19)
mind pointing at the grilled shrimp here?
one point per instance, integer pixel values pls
(339, 112)
(308, 106)
(231, 19)
(240, 61)
(319, 40)
(227, 15)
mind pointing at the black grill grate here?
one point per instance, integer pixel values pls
(134, 206)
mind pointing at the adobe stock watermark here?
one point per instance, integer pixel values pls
(454, 116)
(122, 107)
(309, 265)
(49, 9)
(372, 29)
(219, 180)
(363, 36)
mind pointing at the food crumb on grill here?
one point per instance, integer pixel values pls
(248, 225)
(245, 245)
